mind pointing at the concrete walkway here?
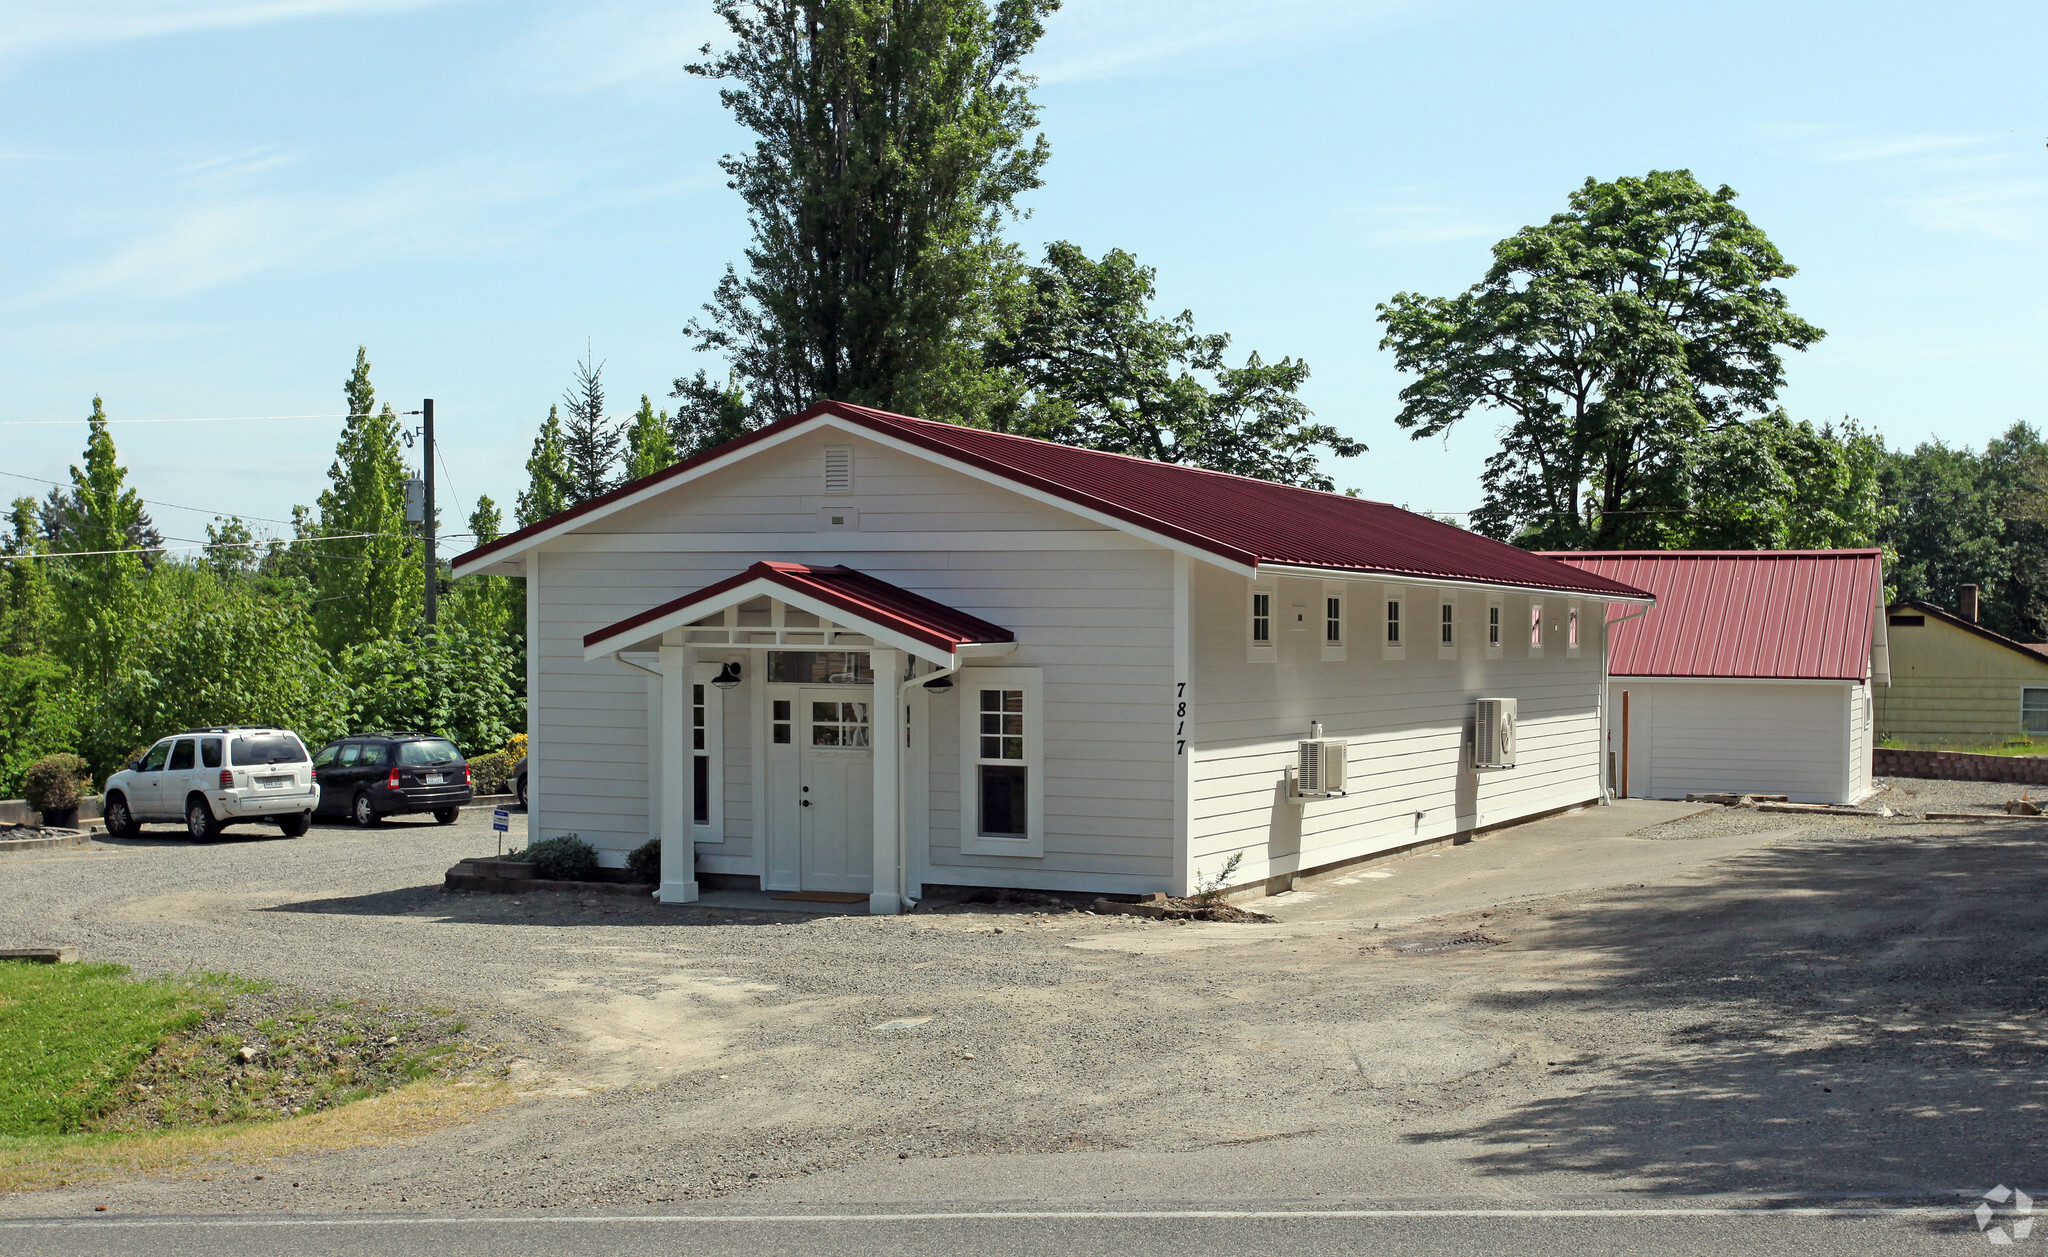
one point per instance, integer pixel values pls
(1586, 850)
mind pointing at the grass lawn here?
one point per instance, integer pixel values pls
(1987, 748)
(70, 1035)
(103, 1074)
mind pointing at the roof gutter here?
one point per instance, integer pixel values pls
(1463, 582)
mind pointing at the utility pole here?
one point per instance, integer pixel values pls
(427, 520)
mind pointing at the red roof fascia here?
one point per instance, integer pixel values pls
(1745, 614)
(856, 593)
(1237, 518)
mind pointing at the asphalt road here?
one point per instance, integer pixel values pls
(1668, 1228)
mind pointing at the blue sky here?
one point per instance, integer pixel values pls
(208, 204)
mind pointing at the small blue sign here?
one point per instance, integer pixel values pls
(501, 820)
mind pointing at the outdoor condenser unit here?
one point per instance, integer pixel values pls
(1318, 771)
(1493, 733)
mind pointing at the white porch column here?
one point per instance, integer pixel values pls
(678, 837)
(886, 715)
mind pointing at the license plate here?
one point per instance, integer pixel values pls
(435, 779)
(273, 783)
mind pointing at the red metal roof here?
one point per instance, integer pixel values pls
(1793, 614)
(855, 593)
(1249, 521)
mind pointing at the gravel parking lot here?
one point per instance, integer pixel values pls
(1791, 1005)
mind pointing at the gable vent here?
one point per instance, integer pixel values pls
(839, 469)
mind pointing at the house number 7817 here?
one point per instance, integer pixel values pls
(1180, 717)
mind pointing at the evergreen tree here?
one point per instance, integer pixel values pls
(590, 443)
(890, 142)
(365, 562)
(97, 590)
(26, 602)
(547, 475)
(649, 447)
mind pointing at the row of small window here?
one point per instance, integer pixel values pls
(1396, 627)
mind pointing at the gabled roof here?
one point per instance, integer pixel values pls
(1233, 519)
(876, 607)
(2034, 650)
(1755, 614)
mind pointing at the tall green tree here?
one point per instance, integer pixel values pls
(708, 414)
(1965, 518)
(589, 440)
(27, 604)
(891, 139)
(1095, 367)
(649, 445)
(230, 547)
(96, 588)
(547, 475)
(1773, 484)
(367, 571)
(1613, 339)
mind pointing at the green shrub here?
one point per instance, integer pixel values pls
(55, 782)
(645, 862)
(39, 709)
(563, 859)
(489, 773)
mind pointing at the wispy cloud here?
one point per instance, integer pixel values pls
(29, 25)
(2013, 210)
(1953, 182)
(1413, 216)
(613, 44)
(456, 210)
(1100, 39)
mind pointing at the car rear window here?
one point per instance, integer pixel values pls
(269, 748)
(429, 751)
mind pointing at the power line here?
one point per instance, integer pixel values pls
(210, 545)
(200, 510)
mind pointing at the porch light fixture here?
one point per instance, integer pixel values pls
(728, 676)
(939, 685)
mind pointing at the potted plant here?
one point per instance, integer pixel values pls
(52, 786)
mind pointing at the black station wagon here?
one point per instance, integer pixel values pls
(374, 775)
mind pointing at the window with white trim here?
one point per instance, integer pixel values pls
(1260, 643)
(1446, 628)
(1494, 640)
(1571, 631)
(1535, 630)
(700, 759)
(1002, 787)
(1333, 621)
(2034, 711)
(1394, 636)
(707, 754)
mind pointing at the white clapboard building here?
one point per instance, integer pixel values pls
(1752, 675)
(862, 653)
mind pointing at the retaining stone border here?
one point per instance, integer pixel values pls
(2028, 770)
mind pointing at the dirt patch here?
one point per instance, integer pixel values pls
(274, 1052)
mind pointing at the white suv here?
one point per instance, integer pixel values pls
(211, 778)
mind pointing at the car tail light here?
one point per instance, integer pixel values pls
(467, 780)
(227, 779)
(391, 782)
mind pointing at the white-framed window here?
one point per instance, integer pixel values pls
(707, 755)
(1495, 628)
(1394, 630)
(1002, 762)
(1535, 630)
(1446, 627)
(1333, 629)
(2034, 711)
(1261, 624)
(1571, 631)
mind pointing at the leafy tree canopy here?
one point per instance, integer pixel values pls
(547, 474)
(367, 572)
(1964, 518)
(1614, 338)
(891, 139)
(1095, 367)
(650, 446)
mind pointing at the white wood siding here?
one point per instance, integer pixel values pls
(1407, 721)
(1798, 740)
(1089, 606)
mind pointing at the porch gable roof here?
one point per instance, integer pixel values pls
(888, 613)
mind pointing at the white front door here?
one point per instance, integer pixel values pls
(834, 788)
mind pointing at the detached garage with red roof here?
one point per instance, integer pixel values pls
(1752, 674)
(858, 654)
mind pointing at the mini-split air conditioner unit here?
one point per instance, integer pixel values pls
(1493, 733)
(1318, 770)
